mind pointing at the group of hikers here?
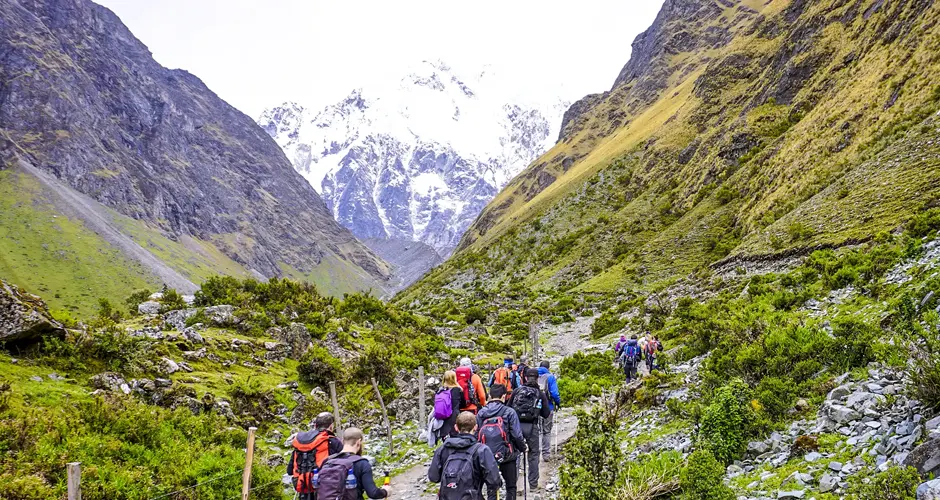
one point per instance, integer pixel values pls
(488, 432)
(630, 352)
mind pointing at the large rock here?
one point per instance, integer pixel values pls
(223, 316)
(926, 458)
(296, 337)
(929, 490)
(24, 316)
(148, 308)
(176, 320)
(109, 381)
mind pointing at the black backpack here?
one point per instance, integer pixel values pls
(337, 481)
(527, 401)
(493, 434)
(457, 481)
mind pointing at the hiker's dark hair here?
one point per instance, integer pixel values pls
(466, 421)
(324, 421)
(532, 374)
(546, 365)
(497, 391)
(633, 337)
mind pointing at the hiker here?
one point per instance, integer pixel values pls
(532, 405)
(474, 394)
(462, 465)
(447, 404)
(499, 429)
(630, 357)
(311, 448)
(549, 385)
(523, 369)
(347, 475)
(652, 347)
(619, 345)
(505, 376)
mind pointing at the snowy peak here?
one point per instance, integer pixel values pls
(419, 157)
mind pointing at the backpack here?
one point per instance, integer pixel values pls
(502, 376)
(652, 346)
(527, 402)
(457, 481)
(493, 435)
(465, 381)
(523, 368)
(307, 459)
(337, 480)
(443, 406)
(631, 352)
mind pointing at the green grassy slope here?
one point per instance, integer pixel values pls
(813, 124)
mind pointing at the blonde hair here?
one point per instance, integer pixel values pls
(450, 379)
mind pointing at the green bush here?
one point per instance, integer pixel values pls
(581, 376)
(926, 223)
(776, 396)
(608, 323)
(172, 301)
(135, 299)
(703, 478)
(896, 483)
(475, 314)
(592, 460)
(318, 368)
(727, 422)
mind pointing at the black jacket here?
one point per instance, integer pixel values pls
(510, 420)
(485, 468)
(363, 471)
(546, 407)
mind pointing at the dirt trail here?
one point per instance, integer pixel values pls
(558, 342)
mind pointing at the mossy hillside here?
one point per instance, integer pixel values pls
(754, 162)
(56, 257)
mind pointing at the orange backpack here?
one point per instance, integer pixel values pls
(308, 457)
(502, 376)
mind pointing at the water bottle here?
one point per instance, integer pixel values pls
(351, 482)
(316, 479)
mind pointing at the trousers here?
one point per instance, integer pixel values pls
(547, 425)
(510, 472)
(533, 435)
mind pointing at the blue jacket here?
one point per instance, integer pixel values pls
(551, 387)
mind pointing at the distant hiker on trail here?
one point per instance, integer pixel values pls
(499, 429)
(532, 405)
(462, 465)
(523, 368)
(311, 448)
(505, 376)
(620, 343)
(474, 393)
(630, 357)
(652, 347)
(449, 397)
(549, 385)
(348, 476)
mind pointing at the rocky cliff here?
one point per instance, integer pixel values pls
(83, 100)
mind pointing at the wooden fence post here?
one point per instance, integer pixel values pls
(421, 385)
(249, 456)
(75, 480)
(534, 334)
(336, 421)
(388, 426)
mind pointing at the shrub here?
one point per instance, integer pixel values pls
(651, 475)
(584, 375)
(775, 396)
(702, 478)
(135, 299)
(172, 301)
(926, 223)
(592, 462)
(896, 483)
(855, 342)
(799, 231)
(608, 323)
(726, 422)
(318, 368)
(475, 314)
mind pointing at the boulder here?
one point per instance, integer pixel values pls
(933, 423)
(791, 495)
(839, 393)
(148, 308)
(929, 490)
(191, 335)
(926, 458)
(169, 366)
(176, 320)
(109, 381)
(222, 316)
(195, 355)
(842, 414)
(296, 337)
(24, 316)
(828, 482)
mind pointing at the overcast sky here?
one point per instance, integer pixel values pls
(259, 53)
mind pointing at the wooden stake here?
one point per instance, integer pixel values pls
(75, 480)
(246, 476)
(421, 386)
(388, 426)
(534, 333)
(336, 421)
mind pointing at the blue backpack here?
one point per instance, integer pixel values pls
(631, 352)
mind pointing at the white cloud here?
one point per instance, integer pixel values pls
(257, 53)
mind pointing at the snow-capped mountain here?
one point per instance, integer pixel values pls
(420, 158)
